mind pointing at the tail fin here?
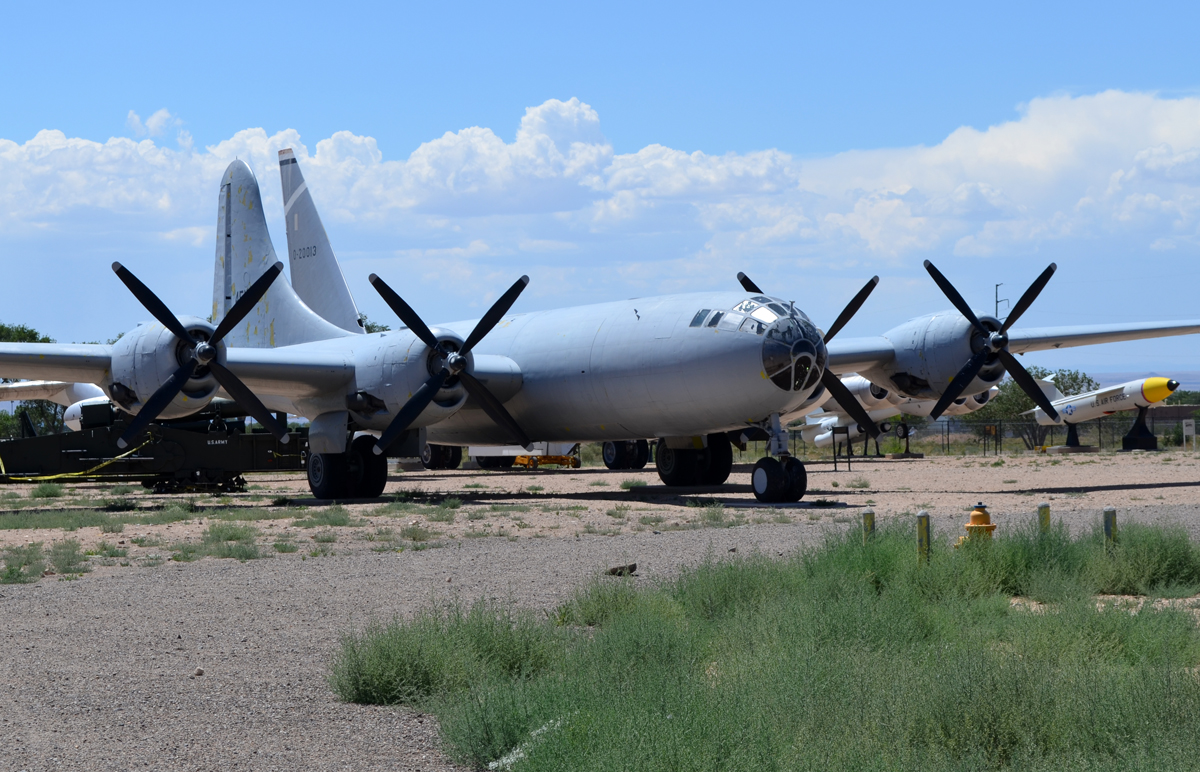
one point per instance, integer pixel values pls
(244, 253)
(1049, 388)
(316, 275)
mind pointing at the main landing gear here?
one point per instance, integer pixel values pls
(356, 474)
(695, 466)
(441, 456)
(631, 454)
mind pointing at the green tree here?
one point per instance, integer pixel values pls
(1012, 401)
(46, 416)
(1183, 397)
(370, 326)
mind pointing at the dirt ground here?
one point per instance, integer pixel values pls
(98, 670)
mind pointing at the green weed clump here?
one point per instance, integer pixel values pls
(222, 540)
(328, 517)
(22, 565)
(66, 557)
(47, 490)
(843, 657)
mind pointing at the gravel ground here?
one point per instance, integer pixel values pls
(99, 672)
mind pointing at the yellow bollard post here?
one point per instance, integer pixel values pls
(1110, 525)
(1044, 517)
(868, 523)
(923, 536)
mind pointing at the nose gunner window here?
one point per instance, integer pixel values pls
(753, 325)
(793, 354)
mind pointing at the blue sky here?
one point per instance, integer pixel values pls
(618, 150)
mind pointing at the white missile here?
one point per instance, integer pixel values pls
(1143, 392)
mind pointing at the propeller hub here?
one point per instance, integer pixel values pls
(455, 363)
(997, 341)
(205, 352)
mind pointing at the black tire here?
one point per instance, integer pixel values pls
(615, 455)
(797, 479)
(718, 460)
(679, 468)
(768, 480)
(366, 473)
(452, 458)
(432, 456)
(641, 455)
(327, 475)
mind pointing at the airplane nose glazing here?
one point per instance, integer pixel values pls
(793, 354)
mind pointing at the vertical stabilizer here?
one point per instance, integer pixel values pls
(316, 275)
(244, 253)
(1049, 388)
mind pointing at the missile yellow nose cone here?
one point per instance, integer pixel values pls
(1158, 389)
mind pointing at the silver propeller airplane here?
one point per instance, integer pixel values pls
(696, 371)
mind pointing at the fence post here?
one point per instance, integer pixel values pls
(1110, 526)
(923, 536)
(868, 524)
(1044, 517)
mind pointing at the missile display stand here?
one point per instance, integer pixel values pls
(1072, 445)
(1139, 436)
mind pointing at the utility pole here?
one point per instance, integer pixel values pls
(1000, 300)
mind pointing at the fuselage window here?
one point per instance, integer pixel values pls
(716, 317)
(700, 316)
(746, 306)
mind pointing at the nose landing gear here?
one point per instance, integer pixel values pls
(782, 479)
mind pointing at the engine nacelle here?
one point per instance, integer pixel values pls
(930, 350)
(388, 378)
(73, 415)
(146, 358)
(868, 394)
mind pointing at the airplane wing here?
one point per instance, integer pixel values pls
(83, 362)
(61, 392)
(847, 355)
(1042, 338)
(287, 372)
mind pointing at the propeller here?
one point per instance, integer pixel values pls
(995, 343)
(451, 362)
(203, 354)
(829, 379)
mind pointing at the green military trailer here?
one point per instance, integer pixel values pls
(209, 451)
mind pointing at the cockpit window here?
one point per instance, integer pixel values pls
(753, 325)
(700, 316)
(746, 306)
(760, 299)
(712, 320)
(764, 314)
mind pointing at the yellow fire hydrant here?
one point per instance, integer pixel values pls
(980, 525)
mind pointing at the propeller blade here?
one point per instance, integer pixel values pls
(150, 301)
(494, 314)
(1027, 299)
(960, 383)
(1027, 383)
(955, 298)
(749, 285)
(493, 407)
(404, 311)
(247, 399)
(416, 403)
(157, 403)
(852, 308)
(245, 304)
(847, 402)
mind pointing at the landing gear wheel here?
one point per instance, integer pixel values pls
(366, 473)
(769, 481)
(431, 458)
(680, 468)
(641, 454)
(719, 460)
(616, 455)
(797, 479)
(327, 475)
(452, 458)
